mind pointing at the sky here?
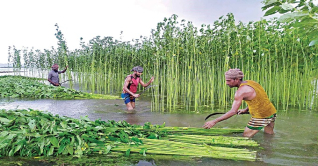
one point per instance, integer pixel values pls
(30, 23)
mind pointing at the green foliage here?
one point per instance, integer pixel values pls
(25, 87)
(189, 62)
(302, 14)
(34, 133)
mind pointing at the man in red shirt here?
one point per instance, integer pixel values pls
(130, 87)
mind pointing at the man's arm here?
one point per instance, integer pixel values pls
(239, 95)
(63, 71)
(149, 82)
(235, 106)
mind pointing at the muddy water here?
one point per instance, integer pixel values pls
(295, 141)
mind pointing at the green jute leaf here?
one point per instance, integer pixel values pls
(291, 16)
(64, 124)
(127, 153)
(4, 120)
(287, 6)
(70, 149)
(85, 118)
(32, 124)
(271, 11)
(61, 149)
(4, 133)
(18, 147)
(54, 141)
(107, 149)
(11, 153)
(270, 3)
(143, 151)
(314, 42)
(152, 136)
(50, 152)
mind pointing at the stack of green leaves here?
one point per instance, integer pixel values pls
(35, 133)
(25, 87)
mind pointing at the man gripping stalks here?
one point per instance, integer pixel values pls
(131, 85)
(53, 77)
(262, 110)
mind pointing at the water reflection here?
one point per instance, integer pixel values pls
(295, 141)
(132, 118)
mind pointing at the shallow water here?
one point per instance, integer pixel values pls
(295, 141)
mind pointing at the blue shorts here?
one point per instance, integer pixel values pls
(126, 98)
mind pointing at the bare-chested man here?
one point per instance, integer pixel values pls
(262, 110)
(131, 85)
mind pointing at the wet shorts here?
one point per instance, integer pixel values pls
(127, 98)
(260, 123)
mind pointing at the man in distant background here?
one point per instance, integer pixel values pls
(54, 75)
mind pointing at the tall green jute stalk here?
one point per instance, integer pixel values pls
(154, 146)
(189, 65)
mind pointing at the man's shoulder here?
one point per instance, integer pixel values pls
(245, 88)
(251, 81)
(128, 76)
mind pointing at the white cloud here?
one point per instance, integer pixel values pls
(31, 23)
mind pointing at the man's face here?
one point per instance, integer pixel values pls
(231, 82)
(55, 67)
(138, 74)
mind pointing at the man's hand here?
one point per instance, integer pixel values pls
(57, 84)
(152, 79)
(136, 95)
(209, 124)
(241, 111)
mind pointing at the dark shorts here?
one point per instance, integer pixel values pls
(127, 98)
(259, 124)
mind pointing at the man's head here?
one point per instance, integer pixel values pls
(137, 70)
(233, 77)
(55, 67)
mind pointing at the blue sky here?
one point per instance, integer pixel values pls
(31, 23)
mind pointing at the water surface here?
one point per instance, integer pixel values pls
(295, 141)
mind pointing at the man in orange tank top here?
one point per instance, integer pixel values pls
(130, 87)
(259, 106)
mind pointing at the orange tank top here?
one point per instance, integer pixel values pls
(260, 106)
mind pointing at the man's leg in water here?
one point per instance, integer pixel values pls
(269, 129)
(249, 132)
(133, 104)
(129, 106)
